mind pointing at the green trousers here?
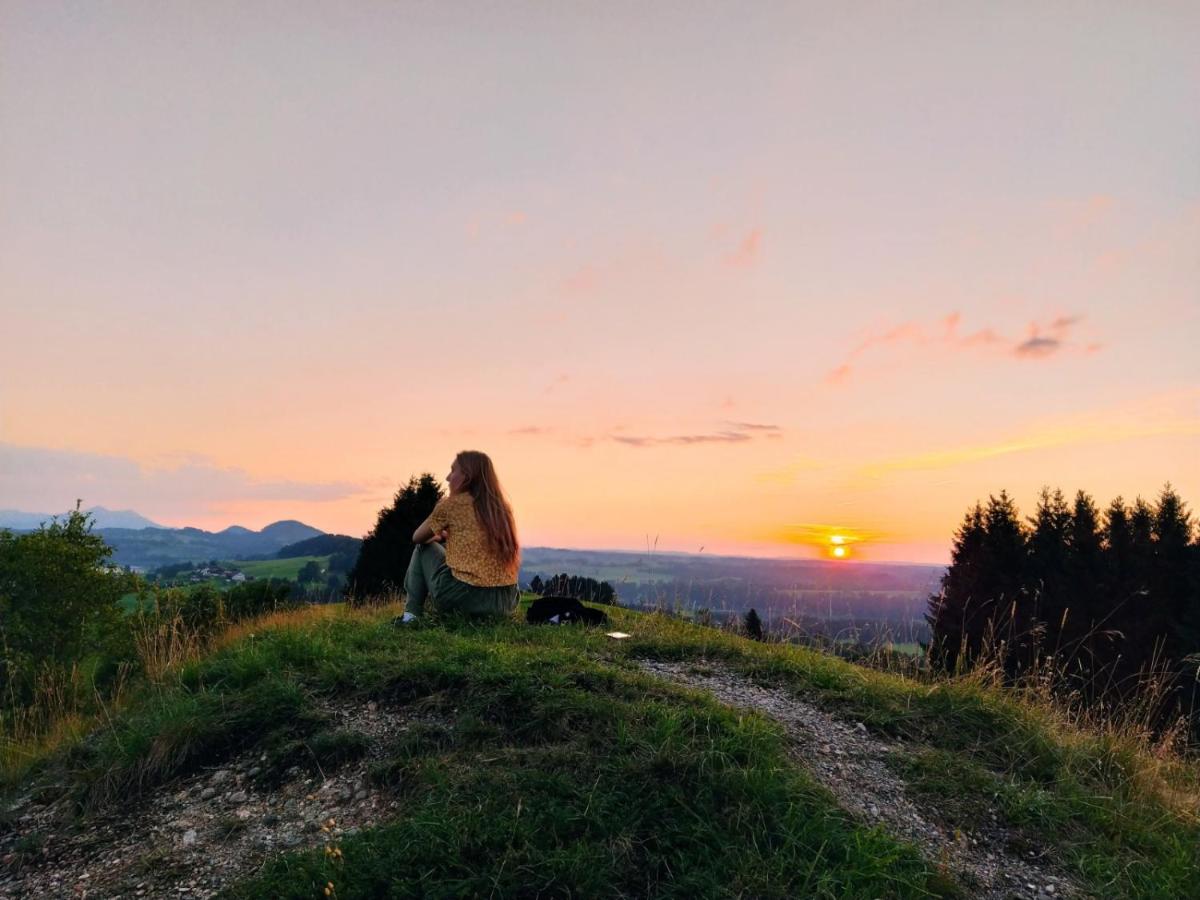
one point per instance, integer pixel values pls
(429, 578)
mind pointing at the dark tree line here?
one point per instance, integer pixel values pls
(577, 586)
(1111, 595)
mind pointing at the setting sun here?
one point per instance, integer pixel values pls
(839, 552)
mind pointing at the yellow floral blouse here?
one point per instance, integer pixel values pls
(468, 555)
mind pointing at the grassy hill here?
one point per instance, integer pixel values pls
(516, 760)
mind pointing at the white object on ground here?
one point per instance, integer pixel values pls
(619, 635)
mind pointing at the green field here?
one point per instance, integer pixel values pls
(254, 568)
(276, 568)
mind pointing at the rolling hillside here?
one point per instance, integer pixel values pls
(323, 752)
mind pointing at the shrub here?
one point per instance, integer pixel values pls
(58, 602)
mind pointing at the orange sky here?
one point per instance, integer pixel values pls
(741, 281)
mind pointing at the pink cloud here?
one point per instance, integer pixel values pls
(747, 252)
(731, 433)
(1040, 341)
(838, 375)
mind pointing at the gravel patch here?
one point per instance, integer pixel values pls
(201, 833)
(851, 762)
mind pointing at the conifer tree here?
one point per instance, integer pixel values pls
(754, 628)
(1005, 614)
(1171, 585)
(962, 584)
(1081, 637)
(1046, 581)
(385, 553)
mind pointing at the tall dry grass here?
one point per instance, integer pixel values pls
(165, 643)
(65, 705)
(1147, 737)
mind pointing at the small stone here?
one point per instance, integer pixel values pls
(254, 771)
(361, 794)
(220, 776)
(290, 839)
(270, 819)
(372, 706)
(1050, 889)
(189, 837)
(208, 793)
(238, 797)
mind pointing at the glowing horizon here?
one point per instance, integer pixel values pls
(773, 278)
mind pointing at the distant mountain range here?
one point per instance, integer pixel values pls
(101, 518)
(136, 541)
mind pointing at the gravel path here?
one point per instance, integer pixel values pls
(850, 761)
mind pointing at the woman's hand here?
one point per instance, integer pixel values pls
(441, 536)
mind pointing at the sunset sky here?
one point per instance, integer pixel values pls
(738, 276)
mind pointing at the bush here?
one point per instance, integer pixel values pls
(255, 598)
(58, 602)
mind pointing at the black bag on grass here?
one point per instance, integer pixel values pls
(563, 611)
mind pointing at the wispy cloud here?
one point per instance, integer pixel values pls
(1109, 429)
(730, 433)
(1052, 339)
(42, 478)
(1040, 341)
(747, 251)
(718, 437)
(770, 431)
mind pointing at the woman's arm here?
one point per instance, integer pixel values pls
(425, 533)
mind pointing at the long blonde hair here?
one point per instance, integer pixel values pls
(495, 513)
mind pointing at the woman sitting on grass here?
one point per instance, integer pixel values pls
(476, 572)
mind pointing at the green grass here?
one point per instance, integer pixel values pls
(547, 763)
(1127, 839)
(276, 568)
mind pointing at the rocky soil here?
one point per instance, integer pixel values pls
(851, 762)
(201, 833)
